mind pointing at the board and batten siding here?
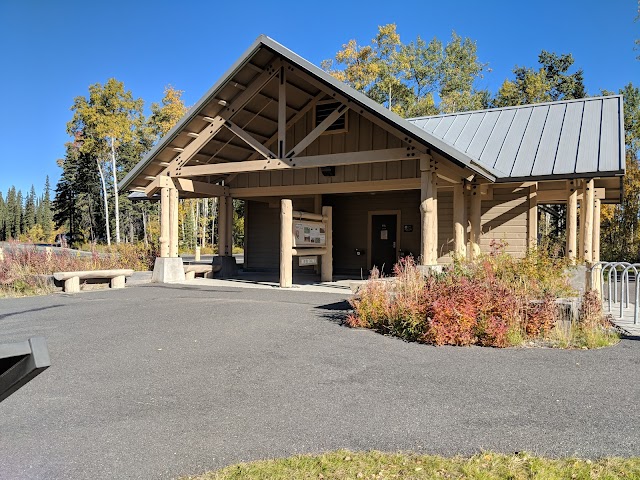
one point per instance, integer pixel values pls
(362, 135)
(263, 239)
(504, 219)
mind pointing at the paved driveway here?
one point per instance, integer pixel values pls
(157, 381)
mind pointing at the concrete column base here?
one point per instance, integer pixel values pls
(228, 266)
(168, 270)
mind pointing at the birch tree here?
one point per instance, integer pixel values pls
(103, 121)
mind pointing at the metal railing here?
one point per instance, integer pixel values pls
(615, 281)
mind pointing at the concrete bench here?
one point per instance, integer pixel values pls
(207, 271)
(72, 279)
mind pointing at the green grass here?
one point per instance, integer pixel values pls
(343, 465)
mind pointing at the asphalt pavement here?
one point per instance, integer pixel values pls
(158, 381)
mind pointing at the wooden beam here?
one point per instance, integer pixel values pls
(333, 159)
(315, 217)
(194, 146)
(217, 122)
(360, 110)
(316, 132)
(293, 120)
(328, 188)
(286, 243)
(161, 181)
(249, 139)
(203, 188)
(282, 114)
(233, 167)
(301, 252)
(572, 220)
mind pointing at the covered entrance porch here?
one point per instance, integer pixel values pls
(298, 145)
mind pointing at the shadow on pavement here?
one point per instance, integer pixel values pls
(11, 314)
(335, 312)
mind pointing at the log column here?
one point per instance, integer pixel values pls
(596, 231)
(532, 224)
(326, 269)
(165, 230)
(229, 228)
(286, 243)
(588, 221)
(582, 220)
(428, 212)
(596, 271)
(459, 222)
(173, 222)
(572, 221)
(475, 214)
(222, 226)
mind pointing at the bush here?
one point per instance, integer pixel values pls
(23, 269)
(496, 300)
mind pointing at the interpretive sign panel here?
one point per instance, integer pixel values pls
(309, 234)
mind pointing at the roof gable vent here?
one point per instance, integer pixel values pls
(326, 108)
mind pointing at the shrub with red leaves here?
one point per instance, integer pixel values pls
(494, 301)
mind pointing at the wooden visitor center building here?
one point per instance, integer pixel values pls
(328, 173)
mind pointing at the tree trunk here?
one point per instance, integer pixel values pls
(196, 224)
(214, 209)
(144, 227)
(205, 214)
(115, 190)
(106, 202)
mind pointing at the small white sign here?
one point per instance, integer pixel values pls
(306, 261)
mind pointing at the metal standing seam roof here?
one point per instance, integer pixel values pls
(564, 139)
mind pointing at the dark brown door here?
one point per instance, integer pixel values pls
(383, 242)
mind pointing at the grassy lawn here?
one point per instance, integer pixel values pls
(344, 465)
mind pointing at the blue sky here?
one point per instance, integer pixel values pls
(52, 51)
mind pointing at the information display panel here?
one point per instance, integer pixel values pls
(309, 234)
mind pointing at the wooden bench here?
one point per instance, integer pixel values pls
(72, 279)
(207, 271)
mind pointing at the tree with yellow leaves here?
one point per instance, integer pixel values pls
(407, 78)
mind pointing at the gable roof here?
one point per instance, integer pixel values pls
(255, 53)
(572, 138)
(439, 139)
